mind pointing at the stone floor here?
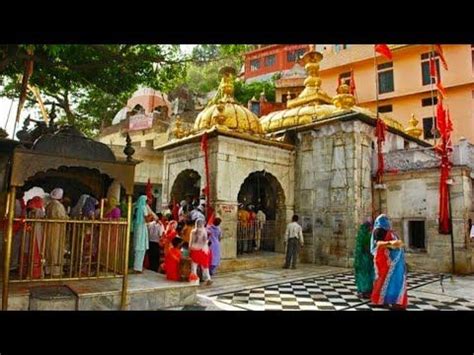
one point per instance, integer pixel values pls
(312, 287)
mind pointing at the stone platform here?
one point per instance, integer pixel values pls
(256, 260)
(147, 291)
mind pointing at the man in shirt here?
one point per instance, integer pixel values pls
(293, 237)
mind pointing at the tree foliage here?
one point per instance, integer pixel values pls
(90, 83)
(244, 92)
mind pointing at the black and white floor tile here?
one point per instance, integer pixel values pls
(333, 292)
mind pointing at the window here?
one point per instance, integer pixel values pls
(425, 68)
(385, 76)
(254, 64)
(385, 108)
(428, 128)
(345, 78)
(429, 101)
(270, 60)
(293, 56)
(416, 235)
(149, 143)
(284, 97)
(340, 47)
(255, 108)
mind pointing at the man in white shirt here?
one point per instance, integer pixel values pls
(293, 237)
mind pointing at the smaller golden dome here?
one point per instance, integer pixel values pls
(224, 112)
(343, 100)
(412, 128)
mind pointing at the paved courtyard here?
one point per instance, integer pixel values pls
(315, 288)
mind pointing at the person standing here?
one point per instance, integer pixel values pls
(56, 234)
(155, 231)
(199, 252)
(140, 233)
(390, 285)
(293, 239)
(363, 261)
(261, 220)
(215, 236)
(20, 212)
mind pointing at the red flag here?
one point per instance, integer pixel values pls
(433, 71)
(204, 142)
(149, 192)
(380, 130)
(441, 118)
(441, 88)
(352, 85)
(24, 84)
(384, 50)
(449, 123)
(175, 210)
(439, 50)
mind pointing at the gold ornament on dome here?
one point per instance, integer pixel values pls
(225, 113)
(412, 128)
(343, 100)
(178, 131)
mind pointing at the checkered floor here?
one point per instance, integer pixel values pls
(333, 292)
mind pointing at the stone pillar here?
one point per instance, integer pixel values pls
(227, 211)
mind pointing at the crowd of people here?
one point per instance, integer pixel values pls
(250, 228)
(178, 241)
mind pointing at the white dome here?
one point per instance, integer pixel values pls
(120, 116)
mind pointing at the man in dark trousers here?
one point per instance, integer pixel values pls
(293, 237)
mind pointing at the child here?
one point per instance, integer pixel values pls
(172, 260)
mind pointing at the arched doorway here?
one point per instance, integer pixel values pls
(260, 191)
(186, 186)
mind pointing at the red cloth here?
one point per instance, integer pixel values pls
(439, 50)
(172, 259)
(352, 85)
(36, 263)
(149, 192)
(146, 262)
(384, 50)
(200, 257)
(35, 202)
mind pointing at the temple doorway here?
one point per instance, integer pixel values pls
(261, 211)
(187, 186)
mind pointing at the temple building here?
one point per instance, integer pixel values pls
(317, 158)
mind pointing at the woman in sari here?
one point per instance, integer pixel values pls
(140, 233)
(363, 261)
(390, 286)
(199, 252)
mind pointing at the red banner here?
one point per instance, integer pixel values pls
(205, 148)
(380, 134)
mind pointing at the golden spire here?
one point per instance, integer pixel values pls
(412, 128)
(312, 92)
(224, 112)
(343, 100)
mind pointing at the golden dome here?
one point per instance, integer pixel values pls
(224, 112)
(313, 104)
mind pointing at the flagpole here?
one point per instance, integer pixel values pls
(9, 111)
(434, 125)
(379, 143)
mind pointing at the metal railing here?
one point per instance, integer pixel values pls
(52, 250)
(256, 236)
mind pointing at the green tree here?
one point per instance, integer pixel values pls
(90, 83)
(244, 92)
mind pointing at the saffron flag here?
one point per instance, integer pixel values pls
(439, 50)
(352, 85)
(433, 71)
(24, 84)
(384, 50)
(441, 118)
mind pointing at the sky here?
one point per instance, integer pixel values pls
(5, 105)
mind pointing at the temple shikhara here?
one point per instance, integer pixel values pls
(317, 154)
